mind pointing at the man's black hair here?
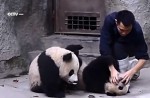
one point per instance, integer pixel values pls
(126, 17)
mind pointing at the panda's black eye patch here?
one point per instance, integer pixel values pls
(71, 72)
(124, 82)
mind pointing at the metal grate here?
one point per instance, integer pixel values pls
(81, 22)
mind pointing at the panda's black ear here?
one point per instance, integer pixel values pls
(74, 48)
(67, 57)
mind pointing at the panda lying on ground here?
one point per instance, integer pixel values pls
(51, 70)
(95, 77)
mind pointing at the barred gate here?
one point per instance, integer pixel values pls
(79, 16)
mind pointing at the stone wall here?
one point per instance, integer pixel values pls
(20, 33)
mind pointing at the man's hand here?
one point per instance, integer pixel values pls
(127, 76)
(114, 75)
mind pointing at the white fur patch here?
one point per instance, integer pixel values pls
(112, 88)
(80, 76)
(34, 76)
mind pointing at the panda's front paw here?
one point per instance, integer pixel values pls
(35, 87)
(111, 94)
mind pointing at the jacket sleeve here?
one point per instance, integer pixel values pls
(141, 48)
(106, 37)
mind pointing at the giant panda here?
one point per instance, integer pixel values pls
(96, 77)
(51, 70)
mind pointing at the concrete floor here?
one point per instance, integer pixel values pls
(18, 88)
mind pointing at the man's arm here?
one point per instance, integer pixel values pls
(106, 38)
(129, 74)
(141, 46)
(139, 65)
(141, 54)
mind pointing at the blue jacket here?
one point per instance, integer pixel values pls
(109, 35)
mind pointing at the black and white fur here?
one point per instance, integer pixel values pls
(51, 70)
(116, 90)
(80, 84)
(96, 77)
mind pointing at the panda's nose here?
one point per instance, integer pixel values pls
(120, 87)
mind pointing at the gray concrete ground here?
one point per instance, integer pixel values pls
(18, 87)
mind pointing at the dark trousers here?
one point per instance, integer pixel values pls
(121, 51)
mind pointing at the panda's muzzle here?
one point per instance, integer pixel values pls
(73, 79)
(75, 82)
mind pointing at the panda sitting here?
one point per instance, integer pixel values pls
(96, 74)
(51, 70)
